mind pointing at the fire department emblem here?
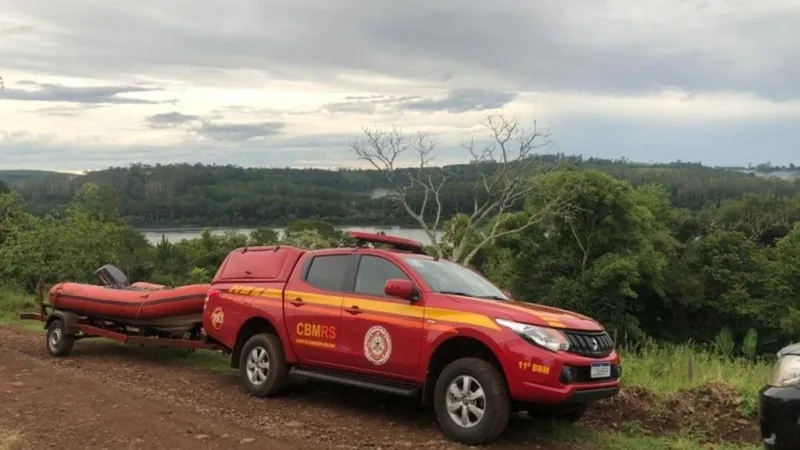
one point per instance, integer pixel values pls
(217, 318)
(377, 345)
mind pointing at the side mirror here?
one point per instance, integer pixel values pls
(397, 287)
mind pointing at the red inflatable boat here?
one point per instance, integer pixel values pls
(141, 304)
(132, 303)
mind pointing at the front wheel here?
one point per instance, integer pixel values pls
(263, 367)
(59, 343)
(472, 403)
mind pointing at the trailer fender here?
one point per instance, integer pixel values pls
(69, 319)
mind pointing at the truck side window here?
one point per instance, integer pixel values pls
(327, 272)
(373, 273)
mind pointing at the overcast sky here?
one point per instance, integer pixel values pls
(91, 84)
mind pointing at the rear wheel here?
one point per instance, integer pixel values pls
(59, 343)
(471, 401)
(263, 367)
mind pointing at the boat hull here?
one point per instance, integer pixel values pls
(142, 304)
(174, 325)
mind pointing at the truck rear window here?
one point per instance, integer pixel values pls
(258, 264)
(327, 272)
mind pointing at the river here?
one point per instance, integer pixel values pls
(179, 234)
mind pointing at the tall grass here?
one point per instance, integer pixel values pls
(13, 301)
(664, 369)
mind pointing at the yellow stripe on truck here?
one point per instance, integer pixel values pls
(550, 318)
(319, 299)
(466, 318)
(376, 306)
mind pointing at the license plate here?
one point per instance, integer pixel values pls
(600, 370)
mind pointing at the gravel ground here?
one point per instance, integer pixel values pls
(111, 396)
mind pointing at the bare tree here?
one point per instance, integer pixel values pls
(505, 179)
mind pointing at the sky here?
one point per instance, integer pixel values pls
(88, 84)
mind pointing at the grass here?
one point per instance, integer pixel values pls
(664, 369)
(584, 437)
(12, 303)
(660, 369)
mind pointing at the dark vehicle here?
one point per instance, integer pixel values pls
(779, 402)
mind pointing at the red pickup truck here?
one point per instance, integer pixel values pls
(399, 321)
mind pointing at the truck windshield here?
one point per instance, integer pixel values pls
(449, 278)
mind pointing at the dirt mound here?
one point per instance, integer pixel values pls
(709, 412)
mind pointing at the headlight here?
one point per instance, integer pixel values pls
(548, 338)
(786, 371)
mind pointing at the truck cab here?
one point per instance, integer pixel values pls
(383, 315)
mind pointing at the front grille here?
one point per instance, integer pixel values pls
(590, 344)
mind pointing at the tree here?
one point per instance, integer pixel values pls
(3, 187)
(600, 259)
(99, 202)
(504, 173)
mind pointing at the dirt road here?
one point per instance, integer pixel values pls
(111, 396)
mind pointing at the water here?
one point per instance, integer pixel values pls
(179, 234)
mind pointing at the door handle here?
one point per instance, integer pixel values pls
(297, 302)
(354, 310)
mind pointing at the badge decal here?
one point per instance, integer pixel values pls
(217, 318)
(377, 345)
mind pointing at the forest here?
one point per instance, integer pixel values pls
(185, 195)
(676, 253)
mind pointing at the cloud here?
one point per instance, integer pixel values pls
(84, 94)
(64, 111)
(455, 101)
(462, 100)
(223, 132)
(287, 79)
(743, 141)
(611, 46)
(233, 132)
(170, 119)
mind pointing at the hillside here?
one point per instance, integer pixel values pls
(201, 195)
(15, 177)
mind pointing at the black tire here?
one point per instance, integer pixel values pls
(497, 404)
(569, 414)
(278, 369)
(59, 343)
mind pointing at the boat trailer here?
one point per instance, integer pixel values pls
(64, 328)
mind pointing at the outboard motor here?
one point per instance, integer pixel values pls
(112, 276)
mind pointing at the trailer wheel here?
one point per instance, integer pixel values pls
(471, 401)
(263, 367)
(59, 343)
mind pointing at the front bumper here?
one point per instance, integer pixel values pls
(779, 417)
(544, 377)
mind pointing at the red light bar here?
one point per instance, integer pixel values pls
(396, 242)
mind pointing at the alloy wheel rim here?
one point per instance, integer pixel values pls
(257, 366)
(466, 401)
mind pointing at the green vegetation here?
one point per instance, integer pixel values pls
(666, 369)
(184, 195)
(584, 437)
